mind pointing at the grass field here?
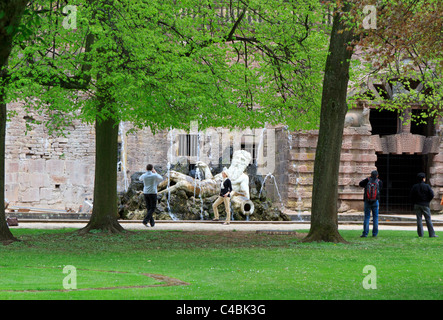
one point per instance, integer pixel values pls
(171, 265)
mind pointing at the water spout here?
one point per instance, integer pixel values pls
(197, 178)
(259, 155)
(122, 134)
(276, 188)
(173, 216)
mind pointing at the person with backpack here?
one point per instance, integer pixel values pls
(372, 186)
(421, 194)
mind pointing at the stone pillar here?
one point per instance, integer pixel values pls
(301, 169)
(404, 122)
(436, 170)
(357, 161)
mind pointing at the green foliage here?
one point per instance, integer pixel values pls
(165, 63)
(404, 51)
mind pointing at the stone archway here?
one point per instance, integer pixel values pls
(397, 144)
(401, 155)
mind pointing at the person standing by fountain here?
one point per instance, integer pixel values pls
(372, 186)
(225, 196)
(150, 181)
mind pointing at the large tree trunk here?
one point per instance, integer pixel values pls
(324, 218)
(105, 212)
(13, 10)
(5, 234)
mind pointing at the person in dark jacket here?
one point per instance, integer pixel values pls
(225, 194)
(371, 205)
(421, 195)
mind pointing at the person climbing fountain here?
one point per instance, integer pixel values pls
(225, 196)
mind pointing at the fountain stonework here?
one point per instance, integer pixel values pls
(210, 186)
(184, 197)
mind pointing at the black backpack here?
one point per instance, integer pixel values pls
(372, 189)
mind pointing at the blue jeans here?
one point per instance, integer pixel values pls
(368, 208)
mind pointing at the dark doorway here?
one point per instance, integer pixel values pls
(398, 173)
(383, 122)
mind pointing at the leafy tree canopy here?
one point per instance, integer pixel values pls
(165, 63)
(402, 50)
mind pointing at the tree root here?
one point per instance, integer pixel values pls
(9, 241)
(317, 236)
(6, 237)
(112, 227)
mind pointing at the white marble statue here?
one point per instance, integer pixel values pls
(211, 184)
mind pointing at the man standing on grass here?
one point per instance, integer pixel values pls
(421, 195)
(372, 186)
(150, 181)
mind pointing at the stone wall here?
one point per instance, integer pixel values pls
(356, 162)
(44, 171)
(138, 148)
(300, 169)
(58, 172)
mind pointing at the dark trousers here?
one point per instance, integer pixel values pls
(425, 211)
(151, 203)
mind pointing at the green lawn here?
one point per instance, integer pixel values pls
(219, 265)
